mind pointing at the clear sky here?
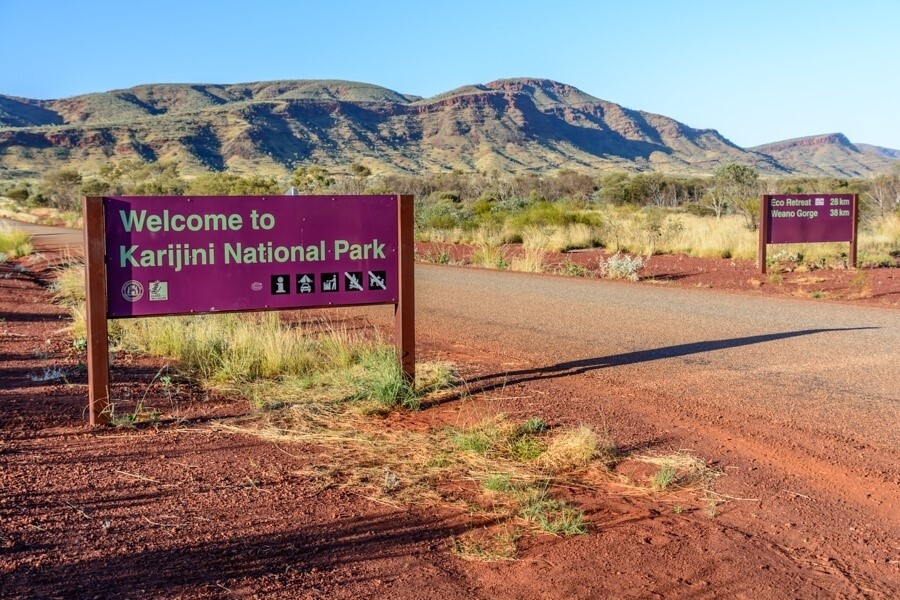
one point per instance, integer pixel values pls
(757, 71)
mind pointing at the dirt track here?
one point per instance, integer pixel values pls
(794, 401)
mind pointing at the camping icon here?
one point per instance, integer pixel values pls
(306, 283)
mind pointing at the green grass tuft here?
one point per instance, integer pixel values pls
(14, 243)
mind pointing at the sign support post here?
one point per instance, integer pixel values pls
(405, 309)
(853, 236)
(763, 231)
(95, 309)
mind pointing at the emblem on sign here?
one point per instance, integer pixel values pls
(280, 285)
(132, 290)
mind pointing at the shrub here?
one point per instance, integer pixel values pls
(621, 266)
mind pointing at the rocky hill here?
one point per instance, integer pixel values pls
(831, 155)
(515, 125)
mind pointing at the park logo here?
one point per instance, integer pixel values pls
(159, 291)
(132, 290)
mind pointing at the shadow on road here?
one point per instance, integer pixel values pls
(490, 382)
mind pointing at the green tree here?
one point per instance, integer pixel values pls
(883, 192)
(229, 184)
(736, 186)
(311, 178)
(63, 189)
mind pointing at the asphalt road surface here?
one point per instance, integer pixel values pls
(49, 238)
(829, 366)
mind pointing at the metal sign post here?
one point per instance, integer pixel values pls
(96, 309)
(405, 308)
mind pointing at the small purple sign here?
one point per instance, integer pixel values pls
(799, 218)
(180, 255)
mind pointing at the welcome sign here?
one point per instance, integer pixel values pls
(168, 255)
(152, 256)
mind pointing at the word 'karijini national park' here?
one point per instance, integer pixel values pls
(180, 255)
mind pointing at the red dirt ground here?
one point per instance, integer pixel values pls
(186, 510)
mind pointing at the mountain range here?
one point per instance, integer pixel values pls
(511, 125)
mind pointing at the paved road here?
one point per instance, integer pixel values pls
(49, 238)
(830, 366)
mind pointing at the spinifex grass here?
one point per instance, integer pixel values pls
(272, 362)
(68, 286)
(268, 360)
(14, 243)
(488, 546)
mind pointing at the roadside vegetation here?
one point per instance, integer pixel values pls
(317, 382)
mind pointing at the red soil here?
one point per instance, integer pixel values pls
(187, 510)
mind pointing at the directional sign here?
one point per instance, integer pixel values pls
(804, 218)
(808, 218)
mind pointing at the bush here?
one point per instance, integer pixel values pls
(19, 194)
(621, 266)
(442, 215)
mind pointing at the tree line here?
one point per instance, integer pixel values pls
(732, 189)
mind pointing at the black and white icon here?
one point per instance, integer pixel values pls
(377, 280)
(353, 281)
(306, 283)
(329, 282)
(281, 284)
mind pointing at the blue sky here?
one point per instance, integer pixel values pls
(757, 71)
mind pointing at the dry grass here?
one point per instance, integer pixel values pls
(14, 243)
(68, 286)
(488, 249)
(532, 261)
(575, 448)
(678, 471)
(487, 546)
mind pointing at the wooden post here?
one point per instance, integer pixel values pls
(405, 309)
(853, 234)
(763, 232)
(95, 298)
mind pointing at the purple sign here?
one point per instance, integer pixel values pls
(179, 255)
(798, 218)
